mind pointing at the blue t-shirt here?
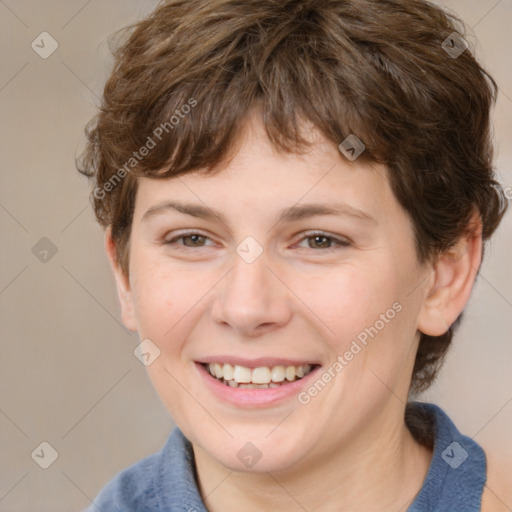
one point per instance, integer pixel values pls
(165, 481)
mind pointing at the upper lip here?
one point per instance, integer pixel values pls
(255, 363)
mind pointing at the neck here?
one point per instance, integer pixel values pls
(380, 468)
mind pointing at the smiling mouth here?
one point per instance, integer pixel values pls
(263, 377)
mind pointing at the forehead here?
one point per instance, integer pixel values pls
(261, 179)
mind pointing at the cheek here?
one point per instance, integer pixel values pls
(165, 299)
(168, 306)
(350, 299)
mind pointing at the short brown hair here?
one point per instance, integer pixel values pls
(374, 68)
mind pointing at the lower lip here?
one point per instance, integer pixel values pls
(254, 397)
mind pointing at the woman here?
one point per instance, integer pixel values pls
(296, 195)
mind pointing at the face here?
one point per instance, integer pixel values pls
(276, 261)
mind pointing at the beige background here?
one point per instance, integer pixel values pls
(68, 374)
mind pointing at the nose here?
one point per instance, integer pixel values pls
(252, 298)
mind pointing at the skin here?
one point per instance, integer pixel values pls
(303, 298)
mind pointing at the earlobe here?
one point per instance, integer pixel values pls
(124, 291)
(453, 277)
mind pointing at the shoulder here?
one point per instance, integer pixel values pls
(138, 488)
(163, 481)
(132, 489)
(497, 494)
(486, 480)
(457, 472)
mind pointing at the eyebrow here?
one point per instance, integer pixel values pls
(293, 213)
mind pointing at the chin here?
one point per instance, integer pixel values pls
(258, 456)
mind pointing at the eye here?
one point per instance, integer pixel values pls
(320, 241)
(324, 241)
(194, 237)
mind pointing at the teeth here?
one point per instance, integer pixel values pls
(228, 371)
(278, 373)
(217, 368)
(290, 373)
(241, 374)
(261, 377)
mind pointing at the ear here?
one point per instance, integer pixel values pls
(124, 291)
(451, 282)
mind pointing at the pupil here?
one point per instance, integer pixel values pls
(319, 237)
(195, 238)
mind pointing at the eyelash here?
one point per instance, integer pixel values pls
(337, 241)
